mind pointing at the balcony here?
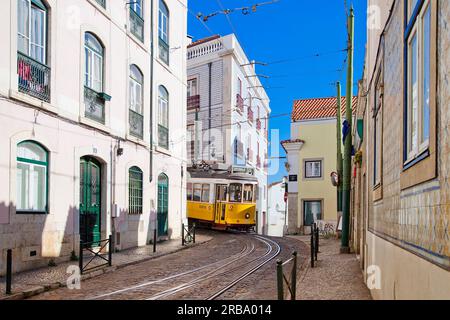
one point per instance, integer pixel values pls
(193, 102)
(258, 124)
(94, 105)
(163, 51)
(250, 115)
(34, 77)
(240, 104)
(163, 137)
(136, 25)
(258, 162)
(249, 155)
(136, 122)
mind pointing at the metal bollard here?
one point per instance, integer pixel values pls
(110, 251)
(280, 279)
(154, 240)
(182, 234)
(312, 249)
(80, 261)
(8, 271)
(317, 242)
(294, 276)
(194, 233)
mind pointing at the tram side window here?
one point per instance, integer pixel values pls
(197, 192)
(189, 191)
(205, 193)
(248, 193)
(235, 192)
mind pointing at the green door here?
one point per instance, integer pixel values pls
(163, 205)
(90, 204)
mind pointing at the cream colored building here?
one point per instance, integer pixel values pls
(311, 154)
(401, 196)
(91, 141)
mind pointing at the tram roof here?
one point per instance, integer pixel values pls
(222, 175)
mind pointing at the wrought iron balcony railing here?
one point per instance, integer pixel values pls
(163, 137)
(250, 115)
(258, 124)
(193, 102)
(163, 51)
(95, 105)
(34, 77)
(240, 103)
(137, 25)
(136, 121)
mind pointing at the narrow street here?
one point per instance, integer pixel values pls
(231, 266)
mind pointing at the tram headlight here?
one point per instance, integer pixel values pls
(247, 216)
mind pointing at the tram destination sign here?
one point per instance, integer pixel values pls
(243, 170)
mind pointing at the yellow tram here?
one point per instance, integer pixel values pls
(222, 200)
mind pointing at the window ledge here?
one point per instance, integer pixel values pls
(163, 151)
(136, 40)
(94, 124)
(411, 162)
(138, 141)
(32, 101)
(104, 11)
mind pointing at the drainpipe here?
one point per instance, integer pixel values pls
(209, 109)
(151, 91)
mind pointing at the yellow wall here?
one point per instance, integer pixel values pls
(320, 143)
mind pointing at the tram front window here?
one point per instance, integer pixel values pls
(189, 191)
(197, 192)
(235, 192)
(248, 193)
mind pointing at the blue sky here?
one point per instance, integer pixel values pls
(293, 30)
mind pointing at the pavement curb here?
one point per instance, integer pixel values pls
(50, 287)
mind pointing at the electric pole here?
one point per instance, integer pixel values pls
(339, 149)
(348, 141)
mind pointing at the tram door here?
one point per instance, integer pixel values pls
(221, 203)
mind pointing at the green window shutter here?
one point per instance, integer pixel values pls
(360, 128)
(39, 4)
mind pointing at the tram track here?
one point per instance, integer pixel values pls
(266, 258)
(246, 250)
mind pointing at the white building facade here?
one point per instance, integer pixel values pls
(277, 208)
(228, 111)
(89, 117)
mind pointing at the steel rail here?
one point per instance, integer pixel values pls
(234, 257)
(231, 285)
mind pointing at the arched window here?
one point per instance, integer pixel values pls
(94, 63)
(32, 29)
(163, 204)
(163, 117)
(136, 118)
(135, 190)
(163, 31)
(94, 97)
(32, 178)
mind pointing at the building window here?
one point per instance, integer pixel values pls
(192, 87)
(32, 178)
(189, 191)
(418, 81)
(378, 133)
(135, 191)
(137, 19)
(163, 32)
(312, 211)
(313, 169)
(136, 118)
(32, 69)
(163, 118)
(102, 3)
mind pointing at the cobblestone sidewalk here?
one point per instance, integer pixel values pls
(335, 276)
(29, 283)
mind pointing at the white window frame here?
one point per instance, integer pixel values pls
(89, 72)
(43, 46)
(416, 145)
(312, 162)
(136, 86)
(190, 86)
(163, 24)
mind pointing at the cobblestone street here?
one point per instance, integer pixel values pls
(195, 273)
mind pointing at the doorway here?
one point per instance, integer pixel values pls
(163, 205)
(221, 203)
(90, 201)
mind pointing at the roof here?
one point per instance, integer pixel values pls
(319, 108)
(200, 41)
